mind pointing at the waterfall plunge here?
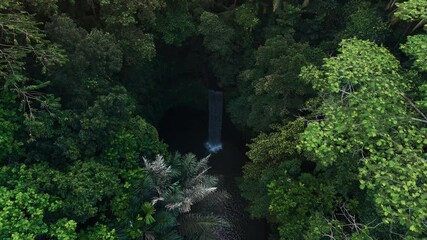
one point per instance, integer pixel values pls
(215, 121)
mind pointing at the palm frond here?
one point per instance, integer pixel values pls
(305, 3)
(159, 171)
(197, 226)
(174, 205)
(276, 4)
(202, 165)
(180, 183)
(156, 199)
(199, 192)
(172, 235)
(149, 236)
(173, 194)
(157, 166)
(186, 205)
(202, 179)
(174, 160)
(146, 188)
(215, 199)
(165, 222)
(189, 198)
(187, 165)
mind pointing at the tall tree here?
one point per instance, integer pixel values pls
(271, 90)
(368, 121)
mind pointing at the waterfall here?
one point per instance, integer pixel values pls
(215, 121)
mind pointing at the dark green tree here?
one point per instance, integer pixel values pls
(271, 90)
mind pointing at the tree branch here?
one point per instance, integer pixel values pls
(415, 107)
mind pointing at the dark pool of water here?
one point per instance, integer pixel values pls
(186, 130)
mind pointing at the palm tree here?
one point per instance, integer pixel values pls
(278, 3)
(183, 186)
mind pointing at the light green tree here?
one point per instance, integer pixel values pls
(365, 117)
(23, 210)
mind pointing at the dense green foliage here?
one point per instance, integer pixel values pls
(332, 92)
(73, 149)
(354, 167)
